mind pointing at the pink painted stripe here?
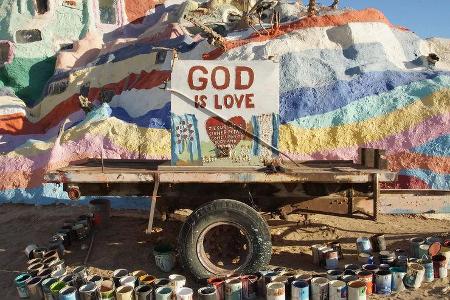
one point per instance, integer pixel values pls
(428, 130)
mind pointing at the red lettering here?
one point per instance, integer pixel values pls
(202, 80)
(239, 100)
(216, 102)
(248, 101)
(226, 82)
(238, 81)
(228, 101)
(200, 101)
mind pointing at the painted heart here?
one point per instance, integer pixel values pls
(225, 136)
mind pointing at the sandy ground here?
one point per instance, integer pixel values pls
(124, 244)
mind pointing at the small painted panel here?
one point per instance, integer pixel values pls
(28, 36)
(224, 114)
(6, 52)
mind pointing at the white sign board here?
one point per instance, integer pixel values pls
(222, 110)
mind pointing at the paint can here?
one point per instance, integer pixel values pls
(68, 293)
(365, 258)
(300, 290)
(97, 279)
(276, 291)
(363, 245)
(348, 278)
(177, 281)
(397, 279)
(291, 277)
(21, 284)
(185, 293)
(46, 283)
(44, 273)
(367, 277)
(56, 243)
(79, 276)
(89, 291)
(383, 282)
(429, 270)
(378, 242)
(219, 285)
(304, 277)
(334, 274)
(434, 249)
(29, 250)
(107, 290)
(58, 273)
(337, 290)
(268, 278)
(440, 266)
(56, 287)
(137, 274)
(34, 261)
(446, 252)
(163, 293)
(101, 211)
(315, 253)
(323, 256)
(117, 274)
(331, 259)
(370, 267)
(164, 257)
(34, 288)
(128, 280)
(357, 290)
(233, 289)
(162, 282)
(319, 288)
(423, 250)
(125, 292)
(39, 252)
(67, 279)
(49, 260)
(387, 257)
(414, 275)
(147, 280)
(35, 268)
(249, 286)
(207, 293)
(51, 253)
(57, 265)
(414, 244)
(143, 292)
(336, 246)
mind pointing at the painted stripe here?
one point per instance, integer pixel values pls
(435, 181)
(406, 160)
(158, 118)
(437, 147)
(405, 182)
(367, 15)
(371, 130)
(138, 102)
(375, 105)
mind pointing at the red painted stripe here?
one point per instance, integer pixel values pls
(366, 15)
(18, 124)
(406, 160)
(405, 182)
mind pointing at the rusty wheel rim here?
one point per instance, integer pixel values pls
(224, 248)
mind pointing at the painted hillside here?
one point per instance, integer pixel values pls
(348, 79)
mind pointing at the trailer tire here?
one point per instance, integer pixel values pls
(224, 212)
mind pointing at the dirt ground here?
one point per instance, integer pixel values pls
(124, 244)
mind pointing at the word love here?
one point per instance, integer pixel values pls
(221, 78)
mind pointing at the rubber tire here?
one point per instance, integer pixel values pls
(224, 210)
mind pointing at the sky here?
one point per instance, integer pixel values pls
(427, 18)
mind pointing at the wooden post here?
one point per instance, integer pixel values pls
(153, 203)
(376, 195)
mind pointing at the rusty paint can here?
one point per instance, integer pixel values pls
(367, 277)
(276, 291)
(357, 290)
(338, 290)
(207, 293)
(249, 286)
(219, 284)
(440, 266)
(315, 253)
(337, 247)
(319, 288)
(323, 255)
(331, 259)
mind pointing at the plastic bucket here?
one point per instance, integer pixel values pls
(397, 279)
(337, 290)
(414, 275)
(357, 290)
(429, 271)
(363, 245)
(446, 252)
(383, 282)
(440, 266)
(300, 290)
(164, 257)
(101, 211)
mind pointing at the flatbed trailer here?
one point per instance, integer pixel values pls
(226, 232)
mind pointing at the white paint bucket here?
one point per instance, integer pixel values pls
(233, 289)
(363, 245)
(397, 279)
(275, 291)
(414, 275)
(319, 288)
(185, 293)
(446, 252)
(177, 281)
(300, 290)
(164, 257)
(163, 293)
(125, 292)
(429, 272)
(357, 290)
(383, 282)
(337, 290)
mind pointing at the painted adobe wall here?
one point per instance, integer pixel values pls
(347, 80)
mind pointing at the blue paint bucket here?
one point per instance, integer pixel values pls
(21, 285)
(68, 293)
(383, 282)
(414, 244)
(363, 245)
(46, 283)
(429, 272)
(397, 279)
(300, 290)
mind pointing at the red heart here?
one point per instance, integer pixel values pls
(224, 135)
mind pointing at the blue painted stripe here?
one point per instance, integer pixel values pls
(434, 180)
(375, 105)
(305, 101)
(157, 118)
(437, 147)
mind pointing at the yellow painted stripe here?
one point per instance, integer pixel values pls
(306, 141)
